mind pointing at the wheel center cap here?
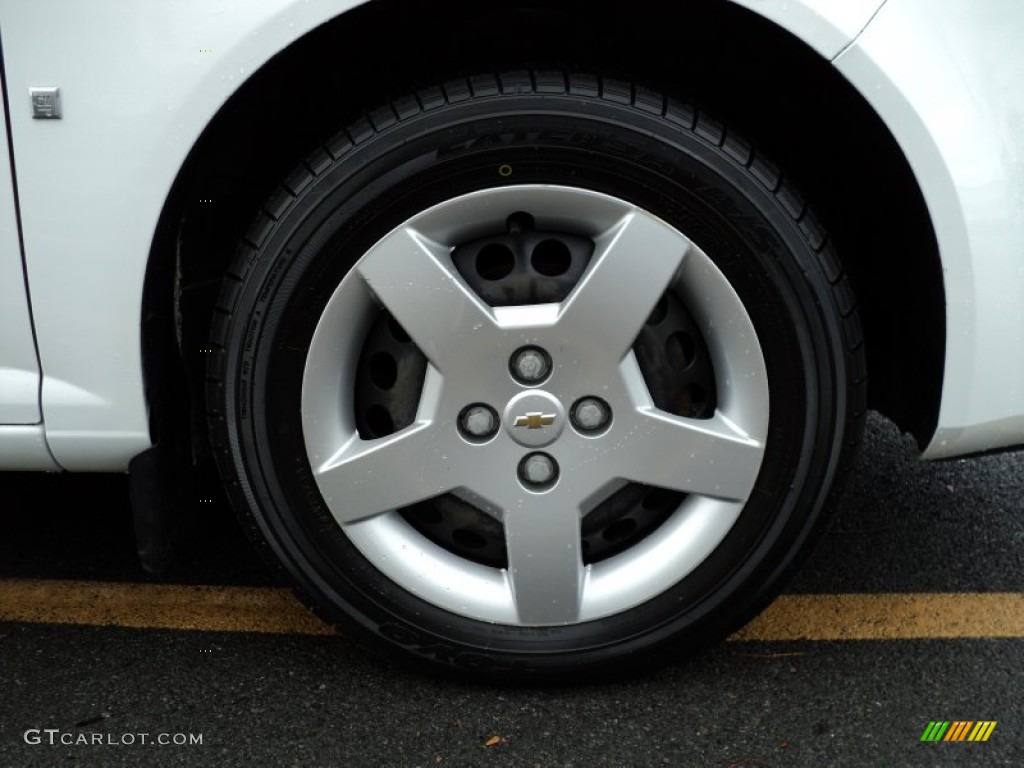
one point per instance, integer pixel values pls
(534, 418)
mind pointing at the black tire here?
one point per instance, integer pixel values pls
(543, 127)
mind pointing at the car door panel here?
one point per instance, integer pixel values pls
(19, 367)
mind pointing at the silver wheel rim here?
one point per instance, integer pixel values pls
(589, 336)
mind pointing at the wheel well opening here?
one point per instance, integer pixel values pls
(721, 57)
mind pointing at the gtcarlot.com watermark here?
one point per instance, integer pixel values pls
(55, 737)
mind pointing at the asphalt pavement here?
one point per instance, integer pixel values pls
(107, 696)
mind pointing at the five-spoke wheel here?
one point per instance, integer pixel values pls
(535, 414)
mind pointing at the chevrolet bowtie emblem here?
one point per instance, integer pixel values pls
(534, 420)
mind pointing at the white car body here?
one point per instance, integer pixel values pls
(140, 82)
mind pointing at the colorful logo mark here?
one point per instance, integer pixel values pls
(958, 730)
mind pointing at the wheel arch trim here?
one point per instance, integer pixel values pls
(953, 118)
(827, 27)
(187, 59)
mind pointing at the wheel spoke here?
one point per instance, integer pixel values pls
(368, 477)
(636, 260)
(413, 277)
(545, 559)
(706, 457)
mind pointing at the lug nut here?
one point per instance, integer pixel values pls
(538, 470)
(530, 365)
(478, 421)
(591, 414)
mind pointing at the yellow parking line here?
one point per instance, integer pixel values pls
(889, 617)
(275, 610)
(157, 606)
